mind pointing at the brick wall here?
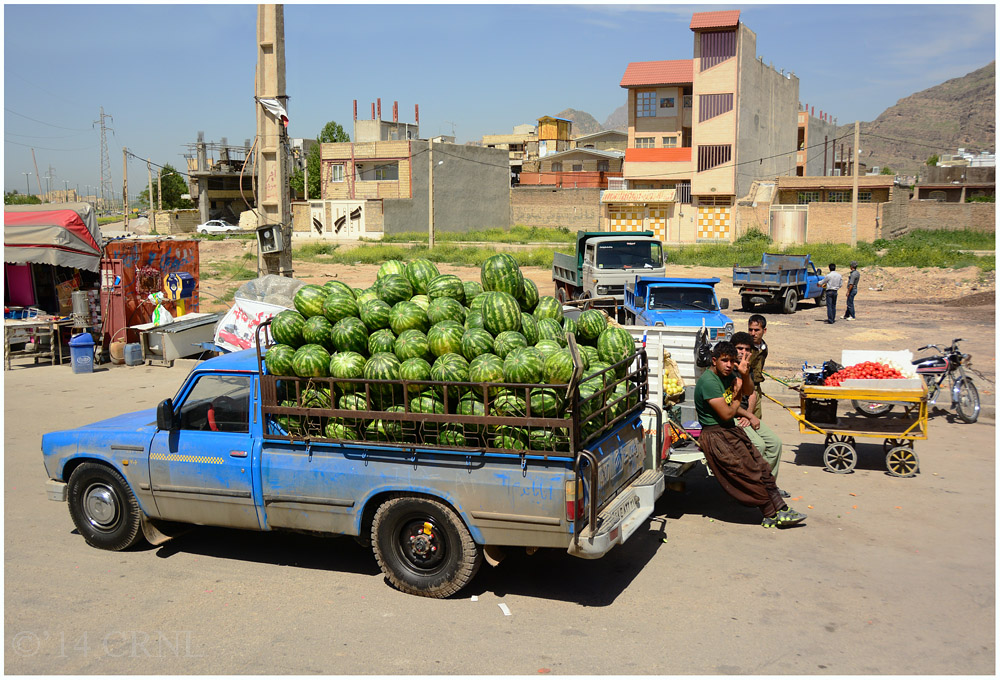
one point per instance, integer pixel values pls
(175, 221)
(936, 215)
(549, 207)
(301, 220)
(831, 222)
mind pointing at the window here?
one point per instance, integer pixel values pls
(645, 104)
(808, 197)
(219, 403)
(337, 172)
(712, 105)
(688, 101)
(682, 298)
(644, 142)
(602, 166)
(629, 255)
(721, 201)
(387, 172)
(838, 196)
(378, 171)
(683, 192)
(717, 47)
(713, 155)
(578, 167)
(670, 142)
(556, 166)
(864, 197)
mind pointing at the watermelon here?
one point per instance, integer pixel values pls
(311, 361)
(309, 300)
(334, 286)
(476, 341)
(382, 366)
(426, 403)
(477, 302)
(415, 369)
(393, 288)
(316, 397)
(558, 369)
(511, 438)
(353, 402)
(445, 338)
(338, 306)
(486, 368)
(445, 309)
(408, 316)
(590, 325)
(542, 440)
(615, 344)
(419, 273)
(508, 404)
(501, 313)
(590, 401)
(501, 273)
(548, 308)
(316, 331)
(278, 360)
(468, 405)
(529, 328)
(472, 289)
(290, 424)
(523, 365)
(545, 402)
(549, 329)
(366, 295)
(451, 368)
(421, 301)
(474, 319)
(347, 365)
(506, 342)
(412, 344)
(385, 429)
(382, 340)
(338, 429)
(547, 347)
(599, 367)
(286, 328)
(451, 436)
(529, 298)
(350, 335)
(588, 354)
(391, 267)
(569, 326)
(446, 285)
(375, 314)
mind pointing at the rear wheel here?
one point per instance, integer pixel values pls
(968, 402)
(791, 301)
(747, 303)
(872, 409)
(423, 547)
(103, 507)
(901, 461)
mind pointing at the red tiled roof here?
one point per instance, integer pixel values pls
(681, 154)
(727, 19)
(658, 72)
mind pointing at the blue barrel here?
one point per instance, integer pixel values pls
(81, 352)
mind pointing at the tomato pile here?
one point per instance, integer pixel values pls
(863, 371)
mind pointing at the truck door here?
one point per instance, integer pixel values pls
(200, 472)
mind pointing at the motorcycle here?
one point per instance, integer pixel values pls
(948, 364)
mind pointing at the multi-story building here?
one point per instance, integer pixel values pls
(516, 145)
(817, 139)
(218, 183)
(605, 140)
(700, 131)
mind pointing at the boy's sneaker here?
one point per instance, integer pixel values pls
(770, 522)
(788, 518)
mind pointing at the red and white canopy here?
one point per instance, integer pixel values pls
(63, 234)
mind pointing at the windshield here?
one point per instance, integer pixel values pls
(682, 298)
(629, 255)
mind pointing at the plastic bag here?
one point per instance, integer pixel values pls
(673, 383)
(160, 315)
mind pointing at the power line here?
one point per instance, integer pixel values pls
(43, 122)
(906, 141)
(46, 148)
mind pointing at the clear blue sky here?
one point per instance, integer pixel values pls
(164, 72)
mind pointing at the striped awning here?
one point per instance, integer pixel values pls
(63, 234)
(640, 196)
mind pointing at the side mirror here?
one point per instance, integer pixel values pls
(819, 272)
(165, 416)
(640, 302)
(724, 303)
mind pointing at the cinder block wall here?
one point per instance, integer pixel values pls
(831, 222)
(542, 206)
(935, 215)
(176, 221)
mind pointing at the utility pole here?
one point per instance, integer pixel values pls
(27, 182)
(37, 176)
(825, 138)
(149, 175)
(430, 194)
(273, 201)
(305, 183)
(107, 189)
(125, 183)
(159, 190)
(854, 197)
(66, 192)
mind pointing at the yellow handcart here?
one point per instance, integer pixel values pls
(817, 413)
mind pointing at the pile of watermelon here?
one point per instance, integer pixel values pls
(416, 324)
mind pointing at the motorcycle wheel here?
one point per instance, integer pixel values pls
(871, 409)
(967, 404)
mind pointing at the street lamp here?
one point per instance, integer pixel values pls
(27, 182)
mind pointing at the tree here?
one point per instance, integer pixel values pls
(933, 160)
(331, 132)
(173, 187)
(14, 198)
(888, 171)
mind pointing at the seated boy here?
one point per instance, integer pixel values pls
(734, 460)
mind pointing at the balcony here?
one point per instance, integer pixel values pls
(568, 180)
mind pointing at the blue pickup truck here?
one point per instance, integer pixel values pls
(678, 302)
(782, 280)
(237, 447)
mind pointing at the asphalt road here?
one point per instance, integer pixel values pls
(887, 576)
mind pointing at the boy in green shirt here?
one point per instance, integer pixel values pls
(733, 459)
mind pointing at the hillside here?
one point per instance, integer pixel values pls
(618, 120)
(583, 122)
(960, 112)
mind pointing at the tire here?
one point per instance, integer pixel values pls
(821, 300)
(561, 295)
(791, 302)
(747, 303)
(435, 564)
(103, 507)
(872, 409)
(967, 405)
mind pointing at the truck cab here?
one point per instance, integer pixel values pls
(675, 302)
(603, 263)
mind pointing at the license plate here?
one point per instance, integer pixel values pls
(624, 510)
(622, 459)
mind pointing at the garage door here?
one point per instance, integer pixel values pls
(713, 222)
(626, 219)
(658, 221)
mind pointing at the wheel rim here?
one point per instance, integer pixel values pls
(902, 462)
(840, 457)
(421, 544)
(890, 444)
(968, 401)
(101, 507)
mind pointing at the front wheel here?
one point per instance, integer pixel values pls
(423, 547)
(872, 409)
(821, 300)
(967, 404)
(103, 507)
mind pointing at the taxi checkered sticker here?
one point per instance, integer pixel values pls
(178, 458)
(713, 222)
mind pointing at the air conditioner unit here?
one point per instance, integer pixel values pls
(269, 239)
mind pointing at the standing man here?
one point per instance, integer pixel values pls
(733, 459)
(831, 282)
(852, 290)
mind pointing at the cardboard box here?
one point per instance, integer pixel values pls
(884, 384)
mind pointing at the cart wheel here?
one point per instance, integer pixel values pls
(840, 457)
(901, 461)
(889, 444)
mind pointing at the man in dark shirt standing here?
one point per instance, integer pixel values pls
(852, 290)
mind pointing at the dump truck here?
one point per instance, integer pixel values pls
(783, 280)
(678, 302)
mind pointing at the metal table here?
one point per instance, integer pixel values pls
(39, 328)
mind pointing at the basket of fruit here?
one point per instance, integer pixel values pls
(673, 383)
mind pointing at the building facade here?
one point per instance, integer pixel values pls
(817, 139)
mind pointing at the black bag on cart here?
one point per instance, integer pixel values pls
(830, 367)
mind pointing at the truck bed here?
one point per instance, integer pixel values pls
(564, 268)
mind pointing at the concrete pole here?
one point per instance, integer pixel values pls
(149, 176)
(854, 197)
(305, 183)
(430, 194)
(159, 190)
(825, 138)
(27, 182)
(125, 183)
